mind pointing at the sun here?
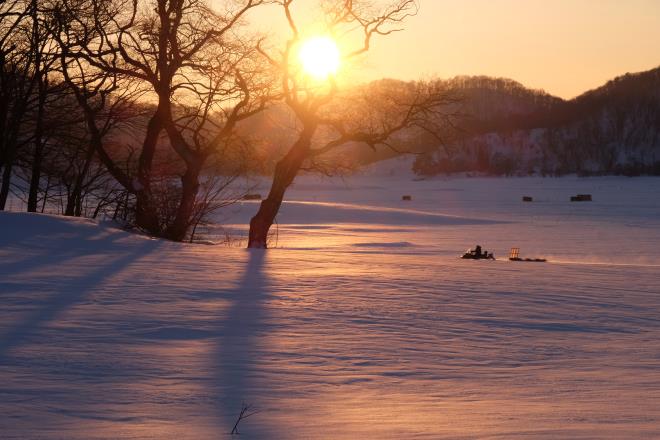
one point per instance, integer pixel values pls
(319, 57)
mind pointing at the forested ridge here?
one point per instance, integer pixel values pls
(510, 130)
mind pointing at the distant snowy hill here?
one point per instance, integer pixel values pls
(504, 128)
(614, 129)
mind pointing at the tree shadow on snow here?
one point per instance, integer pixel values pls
(47, 240)
(240, 334)
(71, 293)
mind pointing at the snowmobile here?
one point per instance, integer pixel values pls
(471, 254)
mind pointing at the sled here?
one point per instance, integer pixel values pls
(514, 255)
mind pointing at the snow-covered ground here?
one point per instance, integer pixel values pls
(363, 323)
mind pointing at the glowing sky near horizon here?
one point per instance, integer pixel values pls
(563, 46)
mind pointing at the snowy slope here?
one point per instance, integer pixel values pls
(399, 166)
(353, 328)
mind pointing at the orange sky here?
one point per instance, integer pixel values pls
(563, 46)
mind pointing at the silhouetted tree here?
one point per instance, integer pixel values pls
(328, 118)
(16, 85)
(190, 61)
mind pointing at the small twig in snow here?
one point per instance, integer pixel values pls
(244, 414)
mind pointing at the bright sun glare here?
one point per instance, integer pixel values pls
(319, 57)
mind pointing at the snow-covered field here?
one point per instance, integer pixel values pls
(363, 323)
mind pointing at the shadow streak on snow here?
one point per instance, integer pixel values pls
(42, 235)
(81, 246)
(68, 296)
(551, 326)
(240, 333)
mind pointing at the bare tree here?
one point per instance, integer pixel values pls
(190, 62)
(16, 85)
(41, 66)
(36, 108)
(328, 118)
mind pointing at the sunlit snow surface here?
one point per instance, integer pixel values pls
(363, 323)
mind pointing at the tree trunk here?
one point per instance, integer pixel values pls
(69, 211)
(45, 198)
(146, 216)
(285, 172)
(190, 187)
(6, 181)
(10, 139)
(76, 193)
(33, 195)
(10, 153)
(35, 179)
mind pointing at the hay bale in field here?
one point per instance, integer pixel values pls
(581, 198)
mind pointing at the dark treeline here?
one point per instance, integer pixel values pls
(511, 130)
(44, 155)
(123, 108)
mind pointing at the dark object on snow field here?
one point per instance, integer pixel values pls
(527, 199)
(471, 256)
(514, 255)
(476, 254)
(406, 198)
(581, 198)
(252, 197)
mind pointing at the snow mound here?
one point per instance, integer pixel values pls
(21, 228)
